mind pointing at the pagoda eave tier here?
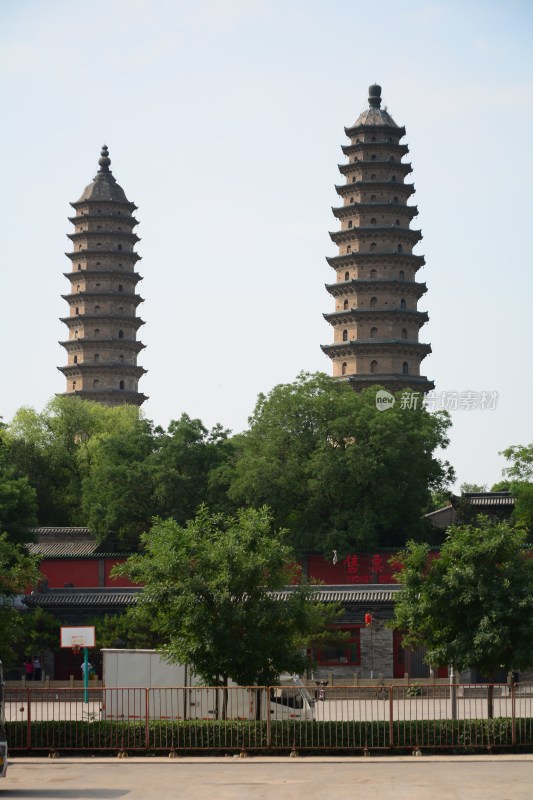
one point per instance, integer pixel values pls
(396, 130)
(99, 368)
(109, 396)
(99, 203)
(392, 383)
(124, 254)
(392, 147)
(357, 314)
(397, 166)
(113, 235)
(374, 258)
(99, 273)
(341, 212)
(343, 287)
(80, 319)
(409, 347)
(128, 297)
(393, 232)
(404, 189)
(126, 219)
(122, 345)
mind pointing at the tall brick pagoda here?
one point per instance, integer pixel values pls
(102, 344)
(376, 320)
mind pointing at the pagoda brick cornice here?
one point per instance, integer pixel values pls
(392, 147)
(114, 235)
(100, 203)
(407, 347)
(122, 218)
(109, 396)
(80, 319)
(86, 342)
(398, 167)
(396, 130)
(130, 297)
(81, 274)
(342, 212)
(395, 188)
(99, 251)
(375, 285)
(380, 313)
(392, 382)
(391, 232)
(91, 368)
(373, 258)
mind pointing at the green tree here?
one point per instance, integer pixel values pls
(337, 472)
(520, 483)
(18, 501)
(18, 571)
(209, 589)
(473, 606)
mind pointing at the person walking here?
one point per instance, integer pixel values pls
(37, 673)
(28, 667)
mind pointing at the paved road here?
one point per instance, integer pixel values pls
(480, 778)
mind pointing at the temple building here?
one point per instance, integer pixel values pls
(376, 320)
(102, 344)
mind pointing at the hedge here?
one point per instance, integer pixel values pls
(209, 736)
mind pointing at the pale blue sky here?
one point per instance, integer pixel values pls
(224, 122)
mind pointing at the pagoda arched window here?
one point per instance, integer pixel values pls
(405, 368)
(77, 311)
(373, 139)
(372, 177)
(395, 200)
(400, 248)
(75, 359)
(373, 245)
(79, 247)
(345, 336)
(343, 368)
(121, 359)
(401, 275)
(76, 334)
(345, 305)
(97, 356)
(121, 385)
(373, 333)
(96, 383)
(397, 222)
(353, 179)
(73, 386)
(119, 247)
(350, 223)
(392, 158)
(373, 367)
(351, 199)
(120, 287)
(79, 267)
(98, 244)
(346, 276)
(403, 304)
(78, 287)
(373, 157)
(121, 334)
(404, 333)
(96, 309)
(349, 248)
(373, 302)
(373, 274)
(393, 179)
(96, 333)
(373, 221)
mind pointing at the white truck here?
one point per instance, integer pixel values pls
(138, 683)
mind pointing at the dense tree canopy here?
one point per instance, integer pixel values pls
(208, 588)
(473, 606)
(336, 471)
(18, 571)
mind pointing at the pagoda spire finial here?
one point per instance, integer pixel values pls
(374, 96)
(104, 161)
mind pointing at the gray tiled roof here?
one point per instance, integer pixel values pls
(363, 593)
(375, 116)
(63, 549)
(71, 533)
(87, 598)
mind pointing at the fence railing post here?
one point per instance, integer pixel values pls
(513, 714)
(147, 719)
(268, 718)
(28, 726)
(391, 717)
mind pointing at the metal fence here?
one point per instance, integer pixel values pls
(271, 719)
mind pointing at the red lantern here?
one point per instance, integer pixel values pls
(368, 620)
